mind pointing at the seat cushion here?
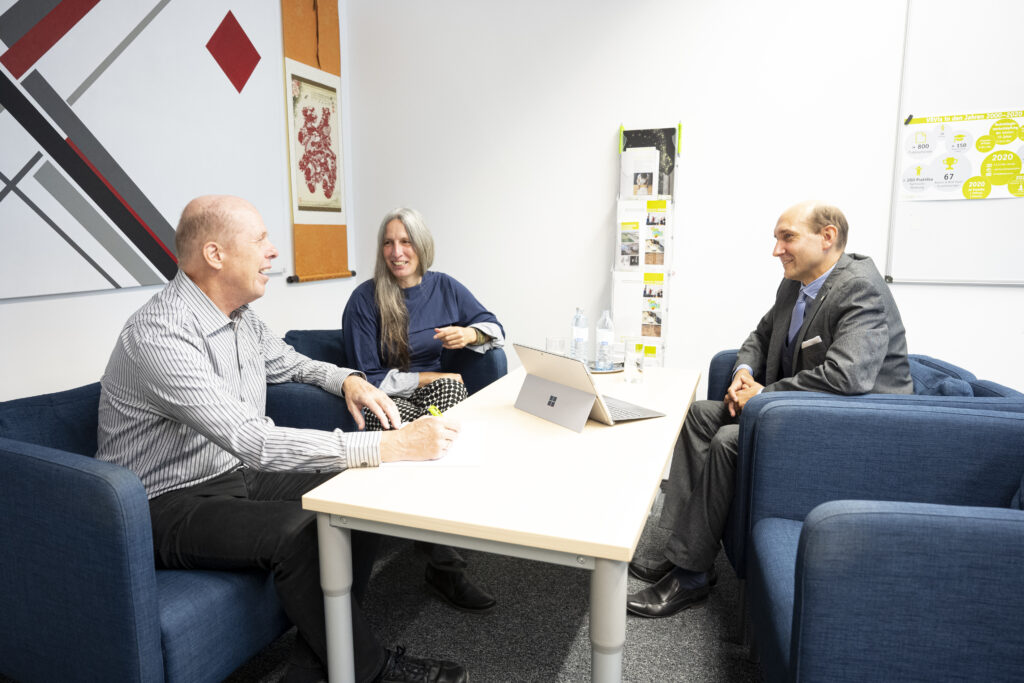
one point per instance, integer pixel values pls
(212, 622)
(772, 575)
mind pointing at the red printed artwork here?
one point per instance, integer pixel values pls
(319, 163)
(314, 132)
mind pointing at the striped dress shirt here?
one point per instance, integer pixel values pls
(184, 397)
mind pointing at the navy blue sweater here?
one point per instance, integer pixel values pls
(438, 300)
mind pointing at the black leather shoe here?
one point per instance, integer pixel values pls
(459, 591)
(401, 668)
(677, 590)
(653, 571)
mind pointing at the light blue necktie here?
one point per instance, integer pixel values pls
(798, 317)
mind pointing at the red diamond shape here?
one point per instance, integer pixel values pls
(233, 51)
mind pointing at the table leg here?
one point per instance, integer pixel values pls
(607, 620)
(336, 581)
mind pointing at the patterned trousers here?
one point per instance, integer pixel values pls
(442, 393)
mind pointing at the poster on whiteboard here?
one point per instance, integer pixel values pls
(963, 156)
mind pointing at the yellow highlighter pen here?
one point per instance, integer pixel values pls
(432, 409)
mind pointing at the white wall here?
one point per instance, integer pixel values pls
(499, 122)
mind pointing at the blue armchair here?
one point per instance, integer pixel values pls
(846, 583)
(935, 383)
(80, 598)
(477, 369)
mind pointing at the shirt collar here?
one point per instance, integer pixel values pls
(209, 317)
(811, 290)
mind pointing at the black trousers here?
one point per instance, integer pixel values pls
(700, 485)
(254, 520)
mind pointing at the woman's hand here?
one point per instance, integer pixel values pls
(455, 337)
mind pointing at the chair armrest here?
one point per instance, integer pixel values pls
(477, 369)
(304, 406)
(903, 591)
(720, 373)
(798, 450)
(806, 452)
(78, 594)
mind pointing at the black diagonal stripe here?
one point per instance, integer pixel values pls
(76, 168)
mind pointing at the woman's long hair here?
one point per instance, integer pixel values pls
(394, 317)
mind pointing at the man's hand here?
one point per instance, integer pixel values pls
(428, 377)
(742, 389)
(427, 438)
(742, 396)
(361, 394)
(454, 337)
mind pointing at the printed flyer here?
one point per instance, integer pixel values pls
(963, 156)
(651, 314)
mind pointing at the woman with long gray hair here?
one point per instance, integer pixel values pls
(395, 327)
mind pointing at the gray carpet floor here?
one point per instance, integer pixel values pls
(539, 631)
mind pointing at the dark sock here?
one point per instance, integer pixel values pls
(689, 579)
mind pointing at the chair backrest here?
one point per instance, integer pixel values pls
(932, 377)
(322, 345)
(66, 419)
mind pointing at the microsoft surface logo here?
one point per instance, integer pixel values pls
(551, 401)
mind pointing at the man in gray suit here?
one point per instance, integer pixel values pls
(834, 328)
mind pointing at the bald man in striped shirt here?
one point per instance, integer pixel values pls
(183, 405)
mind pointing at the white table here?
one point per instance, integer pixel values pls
(537, 491)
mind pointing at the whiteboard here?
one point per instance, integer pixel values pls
(959, 58)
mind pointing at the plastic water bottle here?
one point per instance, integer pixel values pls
(605, 340)
(580, 333)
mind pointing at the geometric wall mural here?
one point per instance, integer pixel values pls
(112, 115)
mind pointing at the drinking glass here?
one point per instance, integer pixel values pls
(634, 363)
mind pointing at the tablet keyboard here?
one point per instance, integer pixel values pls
(623, 410)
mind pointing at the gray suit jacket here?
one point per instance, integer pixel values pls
(863, 347)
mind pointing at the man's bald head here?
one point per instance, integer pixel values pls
(816, 215)
(210, 218)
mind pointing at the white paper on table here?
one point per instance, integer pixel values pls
(466, 451)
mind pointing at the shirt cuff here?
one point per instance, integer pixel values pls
(362, 449)
(401, 384)
(336, 379)
(492, 330)
(743, 367)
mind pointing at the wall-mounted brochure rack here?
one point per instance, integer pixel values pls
(644, 227)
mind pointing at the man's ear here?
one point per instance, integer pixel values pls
(213, 254)
(828, 236)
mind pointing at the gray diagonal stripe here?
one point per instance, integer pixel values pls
(90, 219)
(98, 71)
(21, 174)
(21, 17)
(61, 113)
(63, 235)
